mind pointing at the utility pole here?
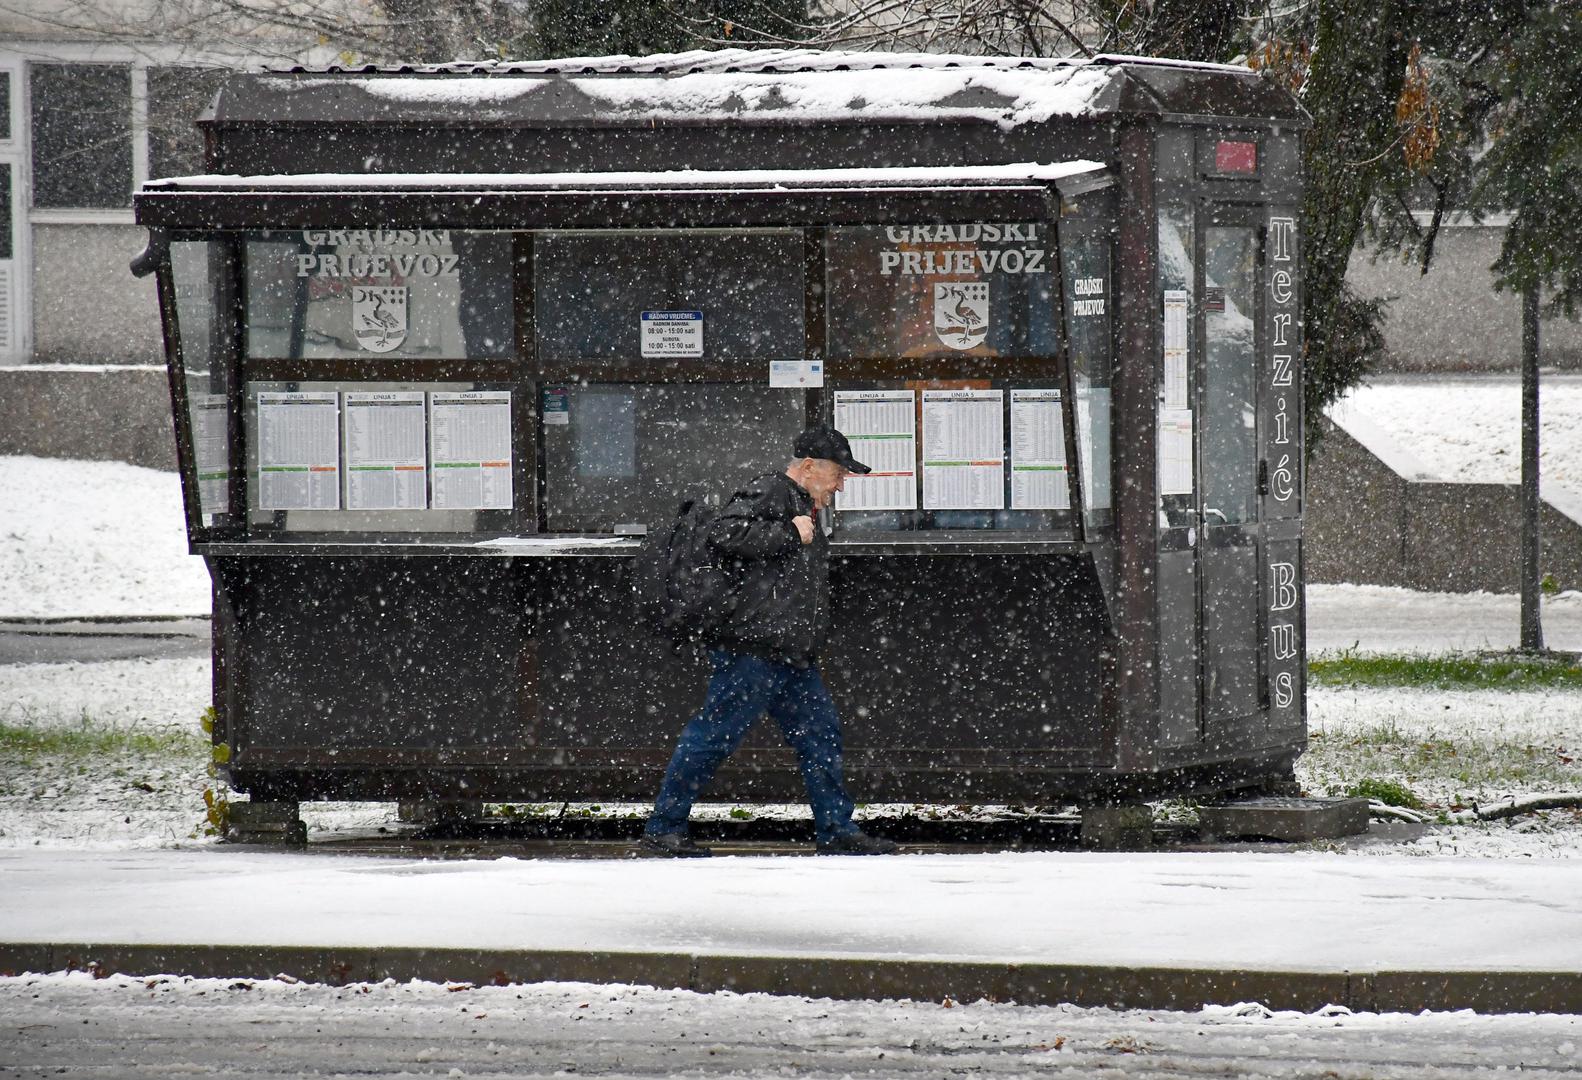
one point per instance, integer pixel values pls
(1532, 622)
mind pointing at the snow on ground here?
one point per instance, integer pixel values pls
(120, 761)
(109, 540)
(165, 1026)
(95, 538)
(1385, 619)
(123, 695)
(1468, 429)
(1213, 910)
(1454, 749)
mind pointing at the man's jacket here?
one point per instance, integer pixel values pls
(782, 592)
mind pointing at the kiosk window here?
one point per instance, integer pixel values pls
(373, 456)
(368, 293)
(193, 274)
(1176, 415)
(1230, 451)
(1087, 263)
(626, 454)
(942, 290)
(955, 455)
(720, 295)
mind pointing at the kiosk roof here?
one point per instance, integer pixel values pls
(753, 86)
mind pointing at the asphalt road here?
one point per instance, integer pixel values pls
(162, 1027)
(29, 641)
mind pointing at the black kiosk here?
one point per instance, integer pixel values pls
(443, 341)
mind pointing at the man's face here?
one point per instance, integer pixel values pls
(824, 479)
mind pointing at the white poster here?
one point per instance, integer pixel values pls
(671, 334)
(470, 449)
(211, 444)
(795, 373)
(385, 445)
(1175, 341)
(299, 451)
(1038, 452)
(1175, 451)
(882, 427)
(963, 450)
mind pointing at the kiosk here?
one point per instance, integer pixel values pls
(443, 341)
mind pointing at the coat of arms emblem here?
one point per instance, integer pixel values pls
(379, 316)
(961, 312)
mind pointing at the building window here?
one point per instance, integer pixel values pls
(176, 95)
(82, 135)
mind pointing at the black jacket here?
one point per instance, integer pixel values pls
(782, 584)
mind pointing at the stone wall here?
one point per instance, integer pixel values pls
(1451, 319)
(101, 414)
(87, 306)
(1368, 525)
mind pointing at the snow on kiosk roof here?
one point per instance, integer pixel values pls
(445, 340)
(747, 86)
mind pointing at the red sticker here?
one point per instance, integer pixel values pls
(1235, 157)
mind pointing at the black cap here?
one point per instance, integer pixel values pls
(829, 444)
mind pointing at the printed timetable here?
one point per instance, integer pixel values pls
(882, 427)
(963, 450)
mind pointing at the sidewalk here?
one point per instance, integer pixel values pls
(1172, 930)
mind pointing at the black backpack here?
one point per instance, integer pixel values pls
(684, 589)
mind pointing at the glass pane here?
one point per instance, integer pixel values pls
(176, 96)
(1178, 285)
(378, 456)
(628, 454)
(1229, 417)
(1087, 266)
(382, 292)
(6, 131)
(592, 288)
(941, 290)
(6, 218)
(965, 454)
(194, 266)
(82, 135)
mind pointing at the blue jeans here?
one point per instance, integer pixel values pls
(741, 690)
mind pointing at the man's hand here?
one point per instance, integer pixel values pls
(804, 527)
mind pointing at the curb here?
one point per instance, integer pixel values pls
(107, 620)
(841, 978)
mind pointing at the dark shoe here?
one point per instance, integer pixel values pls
(671, 845)
(858, 843)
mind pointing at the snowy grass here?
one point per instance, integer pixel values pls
(146, 694)
(24, 745)
(111, 754)
(85, 538)
(1487, 671)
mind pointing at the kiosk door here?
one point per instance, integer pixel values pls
(1227, 495)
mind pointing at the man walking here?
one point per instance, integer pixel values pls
(765, 656)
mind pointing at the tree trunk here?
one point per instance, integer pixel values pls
(1359, 63)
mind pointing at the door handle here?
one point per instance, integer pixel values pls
(1214, 511)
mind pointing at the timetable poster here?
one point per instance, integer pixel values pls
(963, 449)
(470, 448)
(386, 463)
(1175, 451)
(1175, 342)
(299, 451)
(882, 428)
(1038, 452)
(211, 444)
